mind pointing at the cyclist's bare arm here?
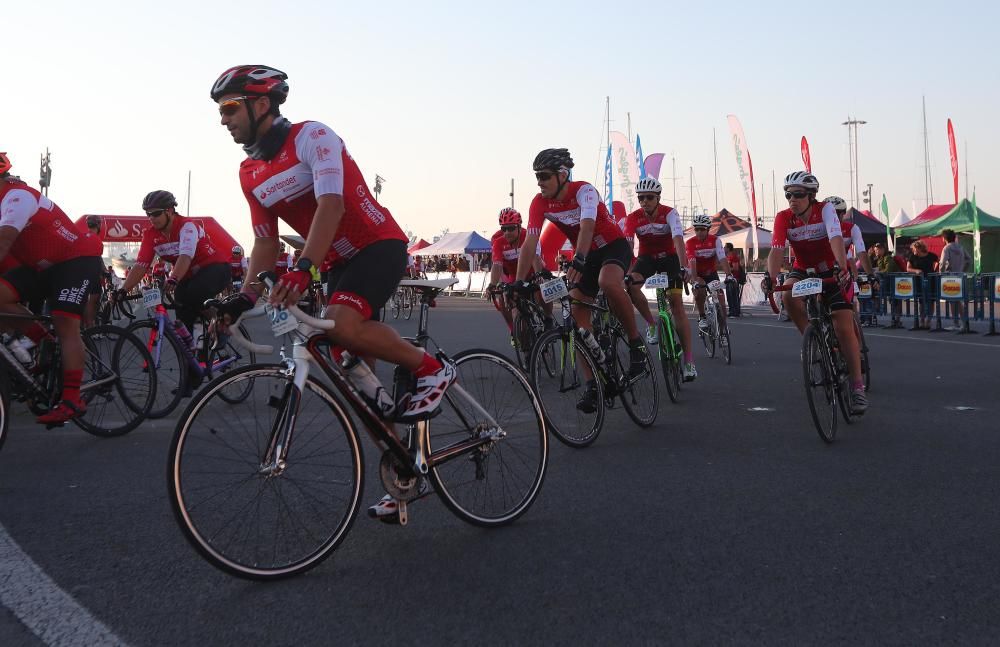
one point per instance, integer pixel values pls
(526, 257)
(263, 257)
(586, 235)
(7, 237)
(495, 274)
(774, 262)
(135, 275)
(538, 265)
(181, 267)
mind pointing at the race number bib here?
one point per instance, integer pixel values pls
(805, 287)
(282, 321)
(151, 298)
(715, 286)
(553, 289)
(658, 281)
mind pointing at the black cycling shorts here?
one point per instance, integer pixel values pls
(615, 253)
(832, 293)
(367, 280)
(708, 278)
(192, 292)
(646, 266)
(65, 285)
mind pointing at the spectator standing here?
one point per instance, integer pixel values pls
(922, 262)
(734, 291)
(954, 258)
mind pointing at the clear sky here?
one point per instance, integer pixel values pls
(449, 101)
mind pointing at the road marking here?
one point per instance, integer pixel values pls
(756, 409)
(875, 334)
(38, 602)
(961, 407)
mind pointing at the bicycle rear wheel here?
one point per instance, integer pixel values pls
(244, 518)
(866, 367)
(670, 358)
(169, 363)
(641, 398)
(524, 340)
(497, 482)
(561, 388)
(407, 305)
(708, 337)
(396, 300)
(4, 407)
(819, 383)
(117, 386)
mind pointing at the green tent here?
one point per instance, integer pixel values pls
(959, 219)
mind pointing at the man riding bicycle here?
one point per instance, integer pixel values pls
(602, 253)
(661, 250)
(57, 263)
(506, 245)
(199, 271)
(302, 174)
(854, 244)
(238, 266)
(705, 253)
(814, 233)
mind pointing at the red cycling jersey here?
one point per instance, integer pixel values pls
(184, 237)
(46, 235)
(656, 234)
(281, 266)
(507, 255)
(582, 202)
(313, 162)
(238, 267)
(853, 242)
(706, 253)
(810, 241)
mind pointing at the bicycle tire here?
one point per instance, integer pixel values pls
(170, 363)
(395, 300)
(843, 381)
(463, 482)
(866, 367)
(116, 408)
(725, 339)
(568, 424)
(708, 338)
(819, 384)
(4, 407)
(407, 305)
(640, 390)
(670, 360)
(249, 426)
(524, 338)
(250, 357)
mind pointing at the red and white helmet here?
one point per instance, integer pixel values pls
(254, 80)
(5, 164)
(510, 216)
(803, 179)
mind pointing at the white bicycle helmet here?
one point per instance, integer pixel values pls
(648, 185)
(803, 179)
(837, 202)
(701, 220)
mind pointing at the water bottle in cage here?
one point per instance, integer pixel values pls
(591, 343)
(364, 380)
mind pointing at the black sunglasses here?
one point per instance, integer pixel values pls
(544, 176)
(647, 196)
(798, 195)
(155, 213)
(510, 227)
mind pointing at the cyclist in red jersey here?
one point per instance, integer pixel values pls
(506, 249)
(661, 250)
(704, 252)
(853, 240)
(200, 269)
(602, 253)
(284, 262)
(238, 265)
(302, 174)
(58, 263)
(735, 289)
(813, 231)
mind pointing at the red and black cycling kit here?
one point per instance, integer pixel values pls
(507, 255)
(238, 267)
(185, 237)
(313, 161)
(656, 234)
(812, 244)
(706, 253)
(58, 262)
(582, 202)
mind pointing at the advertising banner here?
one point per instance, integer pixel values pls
(952, 287)
(903, 287)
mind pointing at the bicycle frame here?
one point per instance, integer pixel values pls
(164, 327)
(666, 315)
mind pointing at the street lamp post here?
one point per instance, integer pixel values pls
(852, 143)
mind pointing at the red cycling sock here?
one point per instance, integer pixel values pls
(427, 366)
(71, 385)
(36, 332)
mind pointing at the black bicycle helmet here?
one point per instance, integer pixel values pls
(552, 159)
(93, 220)
(259, 80)
(159, 199)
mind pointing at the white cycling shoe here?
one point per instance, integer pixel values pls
(428, 393)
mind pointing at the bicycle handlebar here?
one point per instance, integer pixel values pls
(788, 288)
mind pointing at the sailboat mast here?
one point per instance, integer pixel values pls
(691, 189)
(928, 183)
(673, 173)
(967, 169)
(715, 157)
(187, 208)
(628, 116)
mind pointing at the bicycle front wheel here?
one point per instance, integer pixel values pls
(640, 395)
(407, 306)
(246, 512)
(818, 378)
(169, 363)
(708, 337)
(4, 407)
(524, 339)
(670, 358)
(866, 367)
(725, 339)
(496, 482)
(560, 380)
(118, 387)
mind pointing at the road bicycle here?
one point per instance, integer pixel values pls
(717, 337)
(117, 391)
(669, 347)
(269, 488)
(401, 303)
(182, 364)
(558, 375)
(825, 375)
(530, 320)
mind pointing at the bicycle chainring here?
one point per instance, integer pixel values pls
(399, 481)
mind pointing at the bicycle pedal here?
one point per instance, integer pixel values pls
(401, 513)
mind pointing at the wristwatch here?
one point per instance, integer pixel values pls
(304, 264)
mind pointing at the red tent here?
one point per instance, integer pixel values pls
(931, 213)
(129, 229)
(420, 244)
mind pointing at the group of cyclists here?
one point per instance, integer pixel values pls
(302, 174)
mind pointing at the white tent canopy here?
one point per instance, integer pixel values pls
(743, 238)
(900, 219)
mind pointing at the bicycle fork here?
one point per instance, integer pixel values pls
(274, 461)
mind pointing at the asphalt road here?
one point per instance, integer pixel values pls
(729, 521)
